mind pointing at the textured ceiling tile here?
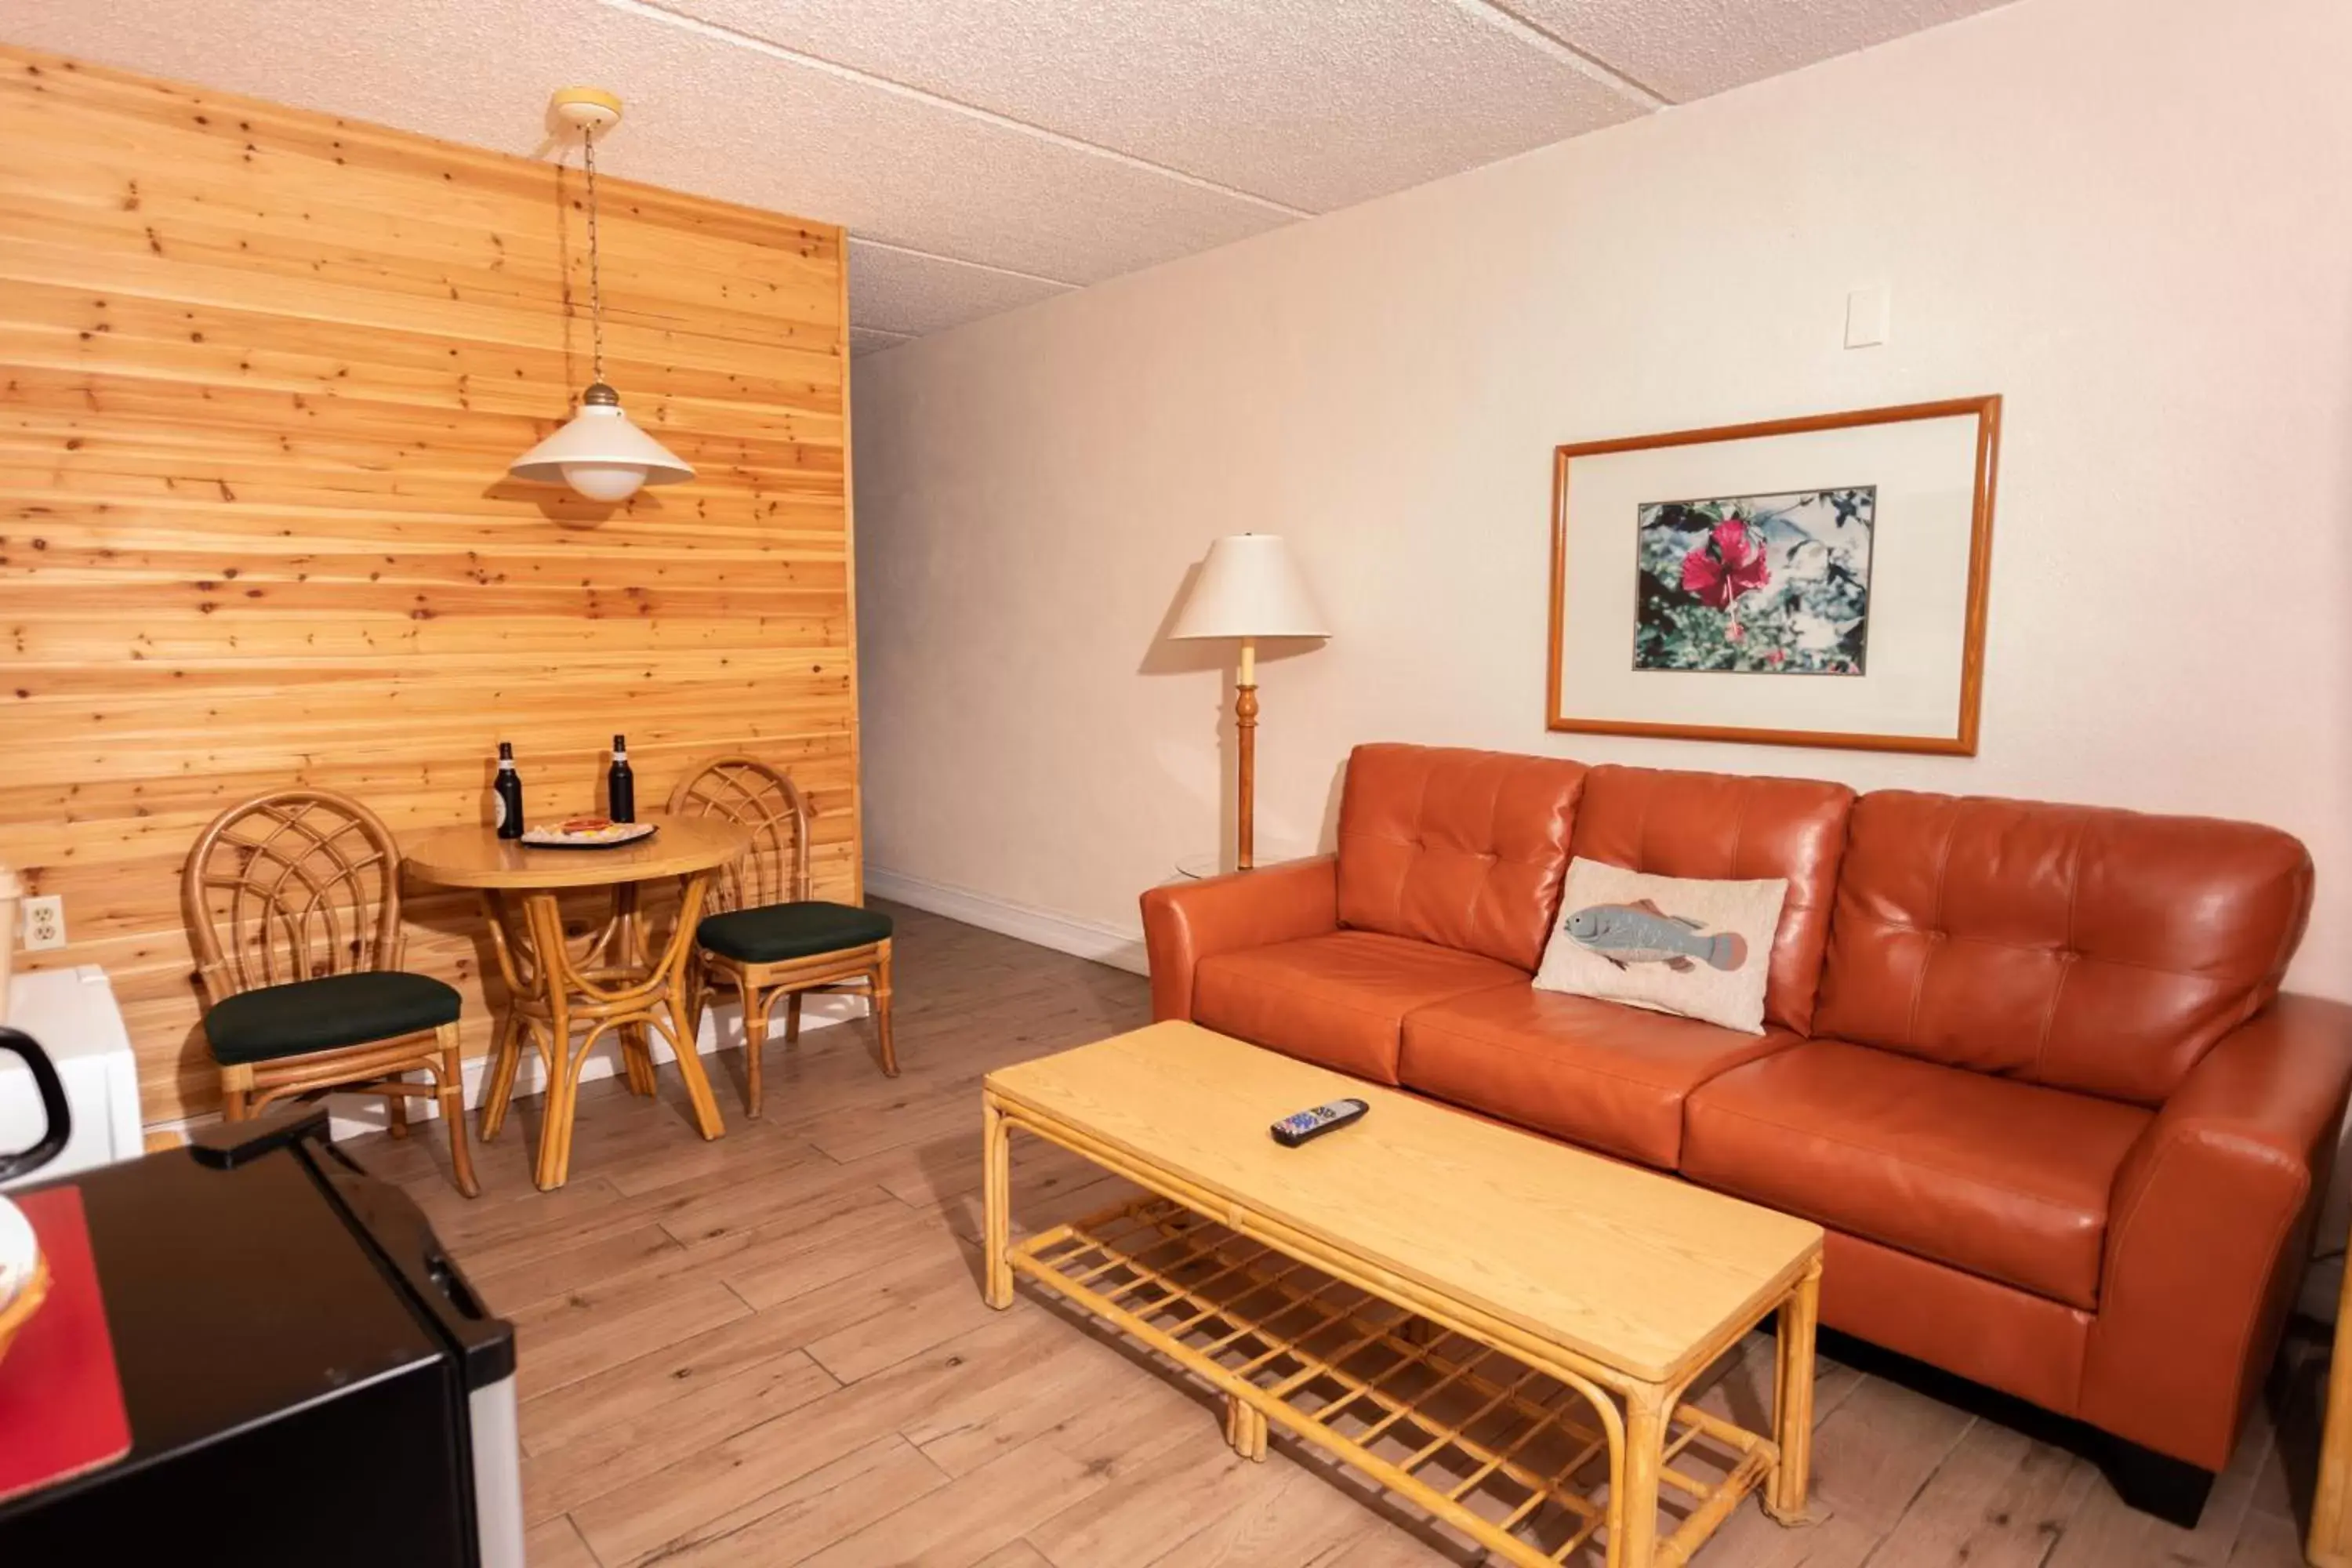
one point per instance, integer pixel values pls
(1683, 49)
(1308, 102)
(705, 115)
(864, 341)
(912, 293)
(1266, 107)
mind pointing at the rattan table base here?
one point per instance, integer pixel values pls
(1529, 1461)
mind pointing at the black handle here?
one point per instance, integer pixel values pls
(226, 1145)
(404, 1237)
(56, 1116)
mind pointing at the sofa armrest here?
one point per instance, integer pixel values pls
(2209, 1228)
(1188, 921)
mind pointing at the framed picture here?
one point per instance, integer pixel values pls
(1815, 582)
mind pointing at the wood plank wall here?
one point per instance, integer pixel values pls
(261, 374)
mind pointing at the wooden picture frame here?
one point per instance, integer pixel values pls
(1829, 462)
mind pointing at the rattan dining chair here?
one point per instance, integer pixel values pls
(768, 938)
(292, 904)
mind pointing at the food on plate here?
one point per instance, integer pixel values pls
(587, 830)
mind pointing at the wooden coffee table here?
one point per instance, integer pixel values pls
(1498, 1328)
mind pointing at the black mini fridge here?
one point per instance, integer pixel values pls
(308, 1376)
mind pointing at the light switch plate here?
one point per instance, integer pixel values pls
(1867, 313)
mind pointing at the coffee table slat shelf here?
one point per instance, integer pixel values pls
(1324, 1290)
(1274, 1335)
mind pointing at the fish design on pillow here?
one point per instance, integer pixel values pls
(1641, 932)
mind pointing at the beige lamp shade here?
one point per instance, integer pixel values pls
(1250, 588)
(599, 453)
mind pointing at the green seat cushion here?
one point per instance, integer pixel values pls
(773, 933)
(321, 1015)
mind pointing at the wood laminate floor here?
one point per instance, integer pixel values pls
(770, 1349)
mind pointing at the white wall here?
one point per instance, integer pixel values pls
(2131, 217)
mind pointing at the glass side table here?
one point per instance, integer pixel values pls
(1199, 867)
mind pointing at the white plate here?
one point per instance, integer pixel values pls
(18, 1251)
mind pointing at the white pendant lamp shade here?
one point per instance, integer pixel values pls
(597, 452)
(601, 454)
(1250, 588)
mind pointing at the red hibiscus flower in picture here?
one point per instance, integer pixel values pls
(1710, 595)
(1731, 562)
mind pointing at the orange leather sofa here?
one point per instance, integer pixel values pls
(2027, 1063)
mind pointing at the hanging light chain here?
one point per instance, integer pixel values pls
(595, 277)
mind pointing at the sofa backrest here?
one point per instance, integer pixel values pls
(1728, 826)
(1463, 848)
(2087, 949)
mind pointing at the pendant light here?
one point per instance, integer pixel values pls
(599, 453)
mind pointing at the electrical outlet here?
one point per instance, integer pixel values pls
(45, 922)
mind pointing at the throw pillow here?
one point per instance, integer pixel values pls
(1673, 944)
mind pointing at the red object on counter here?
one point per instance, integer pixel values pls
(60, 1394)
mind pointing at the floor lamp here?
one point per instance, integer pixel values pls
(1248, 588)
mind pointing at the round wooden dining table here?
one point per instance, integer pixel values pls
(616, 982)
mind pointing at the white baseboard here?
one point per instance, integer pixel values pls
(722, 1030)
(1063, 933)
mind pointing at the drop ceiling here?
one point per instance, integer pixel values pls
(989, 153)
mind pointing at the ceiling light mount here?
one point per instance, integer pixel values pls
(599, 453)
(586, 110)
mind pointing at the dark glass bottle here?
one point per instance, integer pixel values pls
(620, 784)
(506, 791)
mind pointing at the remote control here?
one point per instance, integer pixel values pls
(1293, 1130)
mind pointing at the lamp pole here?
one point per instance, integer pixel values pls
(1246, 734)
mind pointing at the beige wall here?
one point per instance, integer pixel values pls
(2132, 218)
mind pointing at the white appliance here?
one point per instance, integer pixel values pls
(73, 1014)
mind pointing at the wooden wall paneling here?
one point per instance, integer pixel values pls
(261, 373)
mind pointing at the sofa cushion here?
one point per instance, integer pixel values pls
(1340, 999)
(2007, 1179)
(1608, 1077)
(1730, 827)
(1463, 849)
(2087, 949)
